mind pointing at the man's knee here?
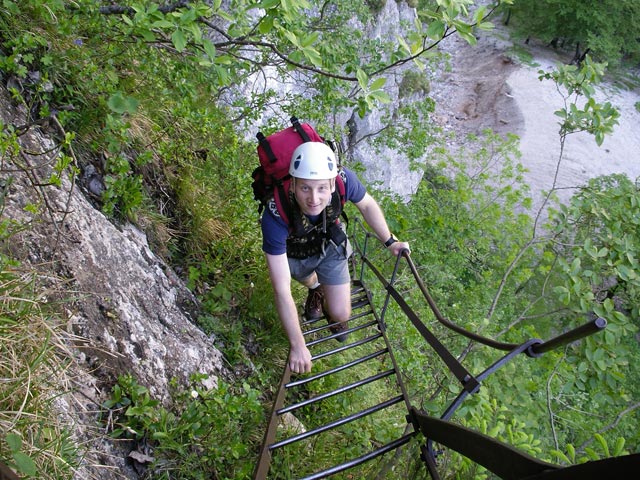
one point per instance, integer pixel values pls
(339, 312)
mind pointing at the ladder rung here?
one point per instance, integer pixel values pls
(362, 459)
(343, 347)
(316, 320)
(337, 391)
(359, 303)
(337, 369)
(337, 423)
(334, 335)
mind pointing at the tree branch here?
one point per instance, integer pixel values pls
(613, 425)
(121, 9)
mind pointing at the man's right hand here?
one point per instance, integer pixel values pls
(300, 360)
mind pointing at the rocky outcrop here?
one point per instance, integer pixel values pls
(125, 309)
(385, 167)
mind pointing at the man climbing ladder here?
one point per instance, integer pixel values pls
(312, 246)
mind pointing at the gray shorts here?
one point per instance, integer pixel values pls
(332, 266)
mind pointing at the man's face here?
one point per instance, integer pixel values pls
(313, 195)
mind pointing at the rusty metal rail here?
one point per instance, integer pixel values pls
(360, 380)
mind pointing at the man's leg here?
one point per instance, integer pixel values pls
(311, 281)
(338, 307)
(315, 297)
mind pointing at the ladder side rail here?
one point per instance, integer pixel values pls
(262, 467)
(498, 457)
(461, 373)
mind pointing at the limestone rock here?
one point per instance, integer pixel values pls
(127, 311)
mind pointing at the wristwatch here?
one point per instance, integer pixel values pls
(391, 241)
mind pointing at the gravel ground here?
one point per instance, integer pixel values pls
(487, 86)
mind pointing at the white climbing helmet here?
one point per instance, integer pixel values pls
(313, 161)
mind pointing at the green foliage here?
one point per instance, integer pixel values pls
(206, 433)
(595, 118)
(487, 276)
(414, 82)
(23, 462)
(139, 93)
(570, 457)
(376, 5)
(598, 253)
(606, 27)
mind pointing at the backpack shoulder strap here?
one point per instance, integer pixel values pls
(341, 187)
(281, 199)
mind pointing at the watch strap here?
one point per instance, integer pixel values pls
(390, 241)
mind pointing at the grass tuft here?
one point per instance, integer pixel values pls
(35, 443)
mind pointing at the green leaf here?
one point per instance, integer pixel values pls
(25, 464)
(363, 79)
(380, 96)
(267, 4)
(209, 48)
(378, 83)
(571, 450)
(266, 25)
(627, 274)
(14, 441)
(436, 30)
(118, 103)
(162, 24)
(486, 26)
(309, 39)
(313, 55)
(292, 38)
(603, 444)
(618, 448)
(405, 46)
(179, 40)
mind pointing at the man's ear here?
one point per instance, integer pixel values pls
(332, 182)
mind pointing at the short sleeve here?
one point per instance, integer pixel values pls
(274, 234)
(355, 190)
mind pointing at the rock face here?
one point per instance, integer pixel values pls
(126, 310)
(385, 167)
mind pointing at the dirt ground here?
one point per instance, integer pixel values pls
(488, 87)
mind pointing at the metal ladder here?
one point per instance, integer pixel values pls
(363, 386)
(359, 381)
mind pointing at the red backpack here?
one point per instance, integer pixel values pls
(271, 178)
